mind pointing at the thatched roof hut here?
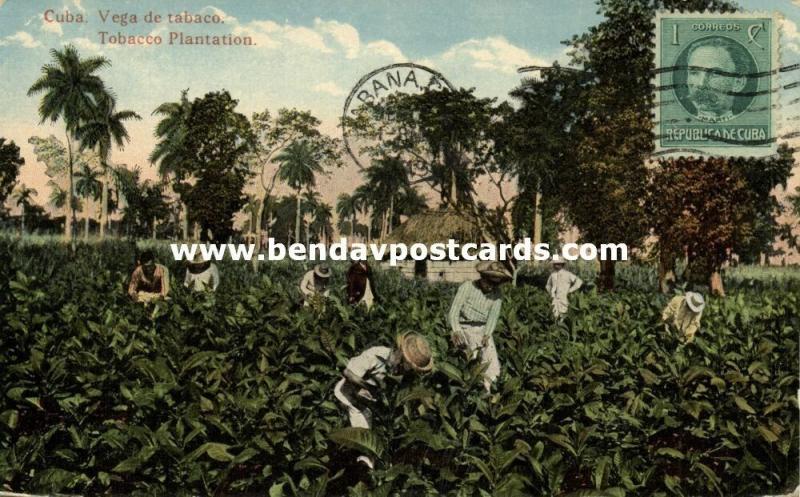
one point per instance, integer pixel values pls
(438, 226)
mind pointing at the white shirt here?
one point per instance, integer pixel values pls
(202, 281)
(371, 365)
(308, 286)
(559, 285)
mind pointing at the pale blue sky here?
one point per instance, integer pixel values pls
(308, 54)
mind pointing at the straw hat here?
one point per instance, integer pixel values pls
(322, 271)
(416, 351)
(695, 301)
(493, 270)
(557, 259)
(198, 259)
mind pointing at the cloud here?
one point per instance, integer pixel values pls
(52, 27)
(21, 38)
(790, 34)
(344, 35)
(491, 54)
(330, 88)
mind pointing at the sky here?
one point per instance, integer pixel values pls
(308, 54)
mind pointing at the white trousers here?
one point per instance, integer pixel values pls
(474, 339)
(358, 418)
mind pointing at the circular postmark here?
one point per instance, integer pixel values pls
(405, 77)
(715, 82)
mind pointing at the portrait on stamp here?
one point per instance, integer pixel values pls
(714, 81)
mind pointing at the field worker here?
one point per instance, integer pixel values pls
(201, 274)
(315, 283)
(559, 285)
(474, 314)
(149, 280)
(684, 313)
(363, 374)
(359, 284)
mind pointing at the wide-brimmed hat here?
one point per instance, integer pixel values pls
(416, 351)
(322, 271)
(695, 301)
(557, 259)
(198, 259)
(493, 270)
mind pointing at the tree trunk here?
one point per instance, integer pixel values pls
(22, 227)
(666, 270)
(86, 225)
(606, 280)
(391, 214)
(537, 219)
(259, 216)
(104, 207)
(70, 221)
(154, 227)
(352, 227)
(369, 227)
(297, 219)
(715, 283)
(185, 221)
(453, 190)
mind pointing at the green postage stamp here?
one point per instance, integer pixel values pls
(715, 76)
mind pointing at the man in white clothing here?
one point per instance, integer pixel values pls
(201, 274)
(364, 373)
(314, 284)
(474, 314)
(559, 285)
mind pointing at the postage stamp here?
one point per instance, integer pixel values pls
(714, 83)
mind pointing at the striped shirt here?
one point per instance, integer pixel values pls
(474, 309)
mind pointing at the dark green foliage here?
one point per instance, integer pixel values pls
(232, 392)
(10, 162)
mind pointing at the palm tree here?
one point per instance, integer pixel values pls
(23, 197)
(88, 186)
(321, 222)
(251, 208)
(299, 165)
(170, 151)
(346, 207)
(364, 199)
(70, 90)
(105, 128)
(387, 177)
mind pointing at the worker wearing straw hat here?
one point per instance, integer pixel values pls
(559, 285)
(474, 314)
(314, 284)
(684, 313)
(363, 374)
(201, 274)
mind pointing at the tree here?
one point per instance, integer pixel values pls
(388, 178)
(170, 151)
(299, 165)
(217, 143)
(446, 139)
(22, 197)
(346, 207)
(104, 128)
(144, 202)
(10, 162)
(89, 187)
(272, 136)
(712, 208)
(70, 90)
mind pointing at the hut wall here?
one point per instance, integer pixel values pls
(449, 271)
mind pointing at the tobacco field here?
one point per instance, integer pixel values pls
(232, 393)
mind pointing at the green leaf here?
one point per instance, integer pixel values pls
(276, 490)
(10, 418)
(743, 405)
(767, 434)
(670, 452)
(360, 439)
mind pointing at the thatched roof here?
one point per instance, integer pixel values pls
(435, 227)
